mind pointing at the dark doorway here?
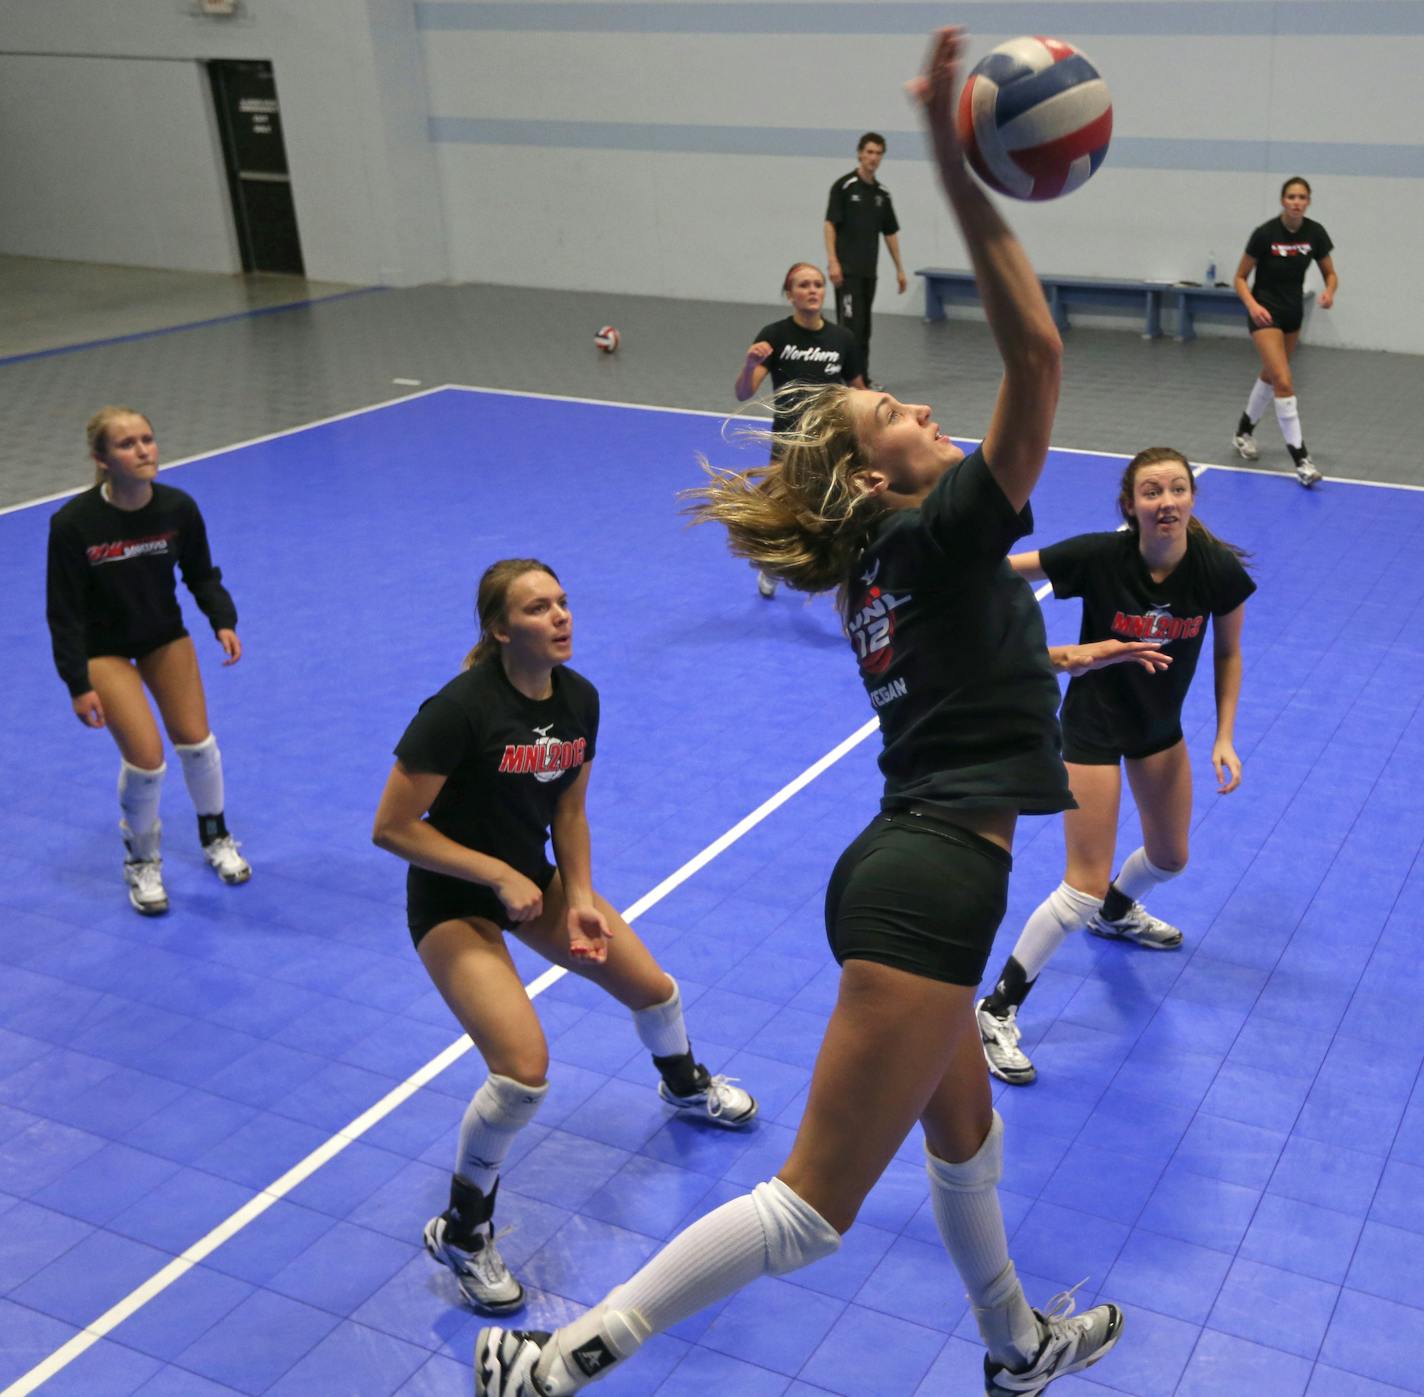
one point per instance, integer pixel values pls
(251, 125)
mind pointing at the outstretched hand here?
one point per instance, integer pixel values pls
(1079, 659)
(936, 90)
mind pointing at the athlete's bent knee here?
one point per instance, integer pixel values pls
(526, 1066)
(1168, 861)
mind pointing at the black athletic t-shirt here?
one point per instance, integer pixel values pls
(1282, 260)
(110, 586)
(1124, 706)
(507, 760)
(799, 355)
(861, 213)
(953, 653)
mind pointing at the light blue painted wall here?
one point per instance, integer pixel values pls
(686, 148)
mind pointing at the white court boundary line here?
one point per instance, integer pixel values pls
(238, 445)
(253, 1209)
(611, 402)
(154, 1286)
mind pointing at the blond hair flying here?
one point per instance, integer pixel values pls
(802, 518)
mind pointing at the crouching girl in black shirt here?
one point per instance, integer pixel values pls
(116, 627)
(489, 769)
(1160, 580)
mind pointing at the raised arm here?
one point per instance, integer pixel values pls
(1016, 443)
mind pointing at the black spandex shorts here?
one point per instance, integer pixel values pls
(1084, 752)
(432, 898)
(1286, 321)
(133, 650)
(920, 893)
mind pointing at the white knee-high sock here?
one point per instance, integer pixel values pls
(139, 793)
(202, 773)
(661, 1029)
(1065, 909)
(1288, 415)
(1260, 398)
(965, 1199)
(497, 1112)
(768, 1232)
(1139, 875)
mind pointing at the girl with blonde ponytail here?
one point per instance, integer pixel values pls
(1161, 579)
(119, 638)
(867, 495)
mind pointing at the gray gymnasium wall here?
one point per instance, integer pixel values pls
(108, 150)
(685, 149)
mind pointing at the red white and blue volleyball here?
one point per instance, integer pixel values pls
(1035, 118)
(607, 339)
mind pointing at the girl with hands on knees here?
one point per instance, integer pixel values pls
(491, 768)
(117, 629)
(1159, 582)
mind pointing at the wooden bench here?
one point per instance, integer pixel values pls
(1147, 298)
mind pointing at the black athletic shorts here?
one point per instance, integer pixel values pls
(432, 898)
(1082, 751)
(920, 893)
(1284, 320)
(132, 649)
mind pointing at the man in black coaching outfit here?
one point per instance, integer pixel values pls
(858, 212)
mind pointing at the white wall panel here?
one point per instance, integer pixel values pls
(110, 160)
(351, 83)
(724, 224)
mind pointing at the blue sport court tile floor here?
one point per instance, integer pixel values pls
(1228, 1141)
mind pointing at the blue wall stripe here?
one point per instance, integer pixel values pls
(1127, 152)
(1223, 18)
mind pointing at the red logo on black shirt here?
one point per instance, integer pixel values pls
(1160, 626)
(544, 760)
(129, 548)
(1291, 249)
(872, 628)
